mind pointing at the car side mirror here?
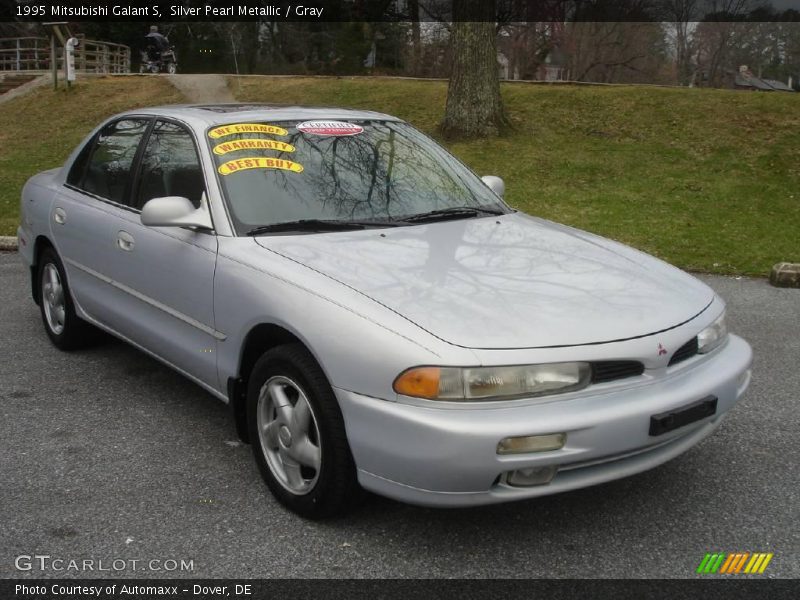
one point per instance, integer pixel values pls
(175, 211)
(494, 183)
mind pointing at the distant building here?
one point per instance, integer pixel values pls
(554, 67)
(745, 80)
(779, 86)
(504, 66)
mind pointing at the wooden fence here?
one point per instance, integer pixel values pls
(23, 54)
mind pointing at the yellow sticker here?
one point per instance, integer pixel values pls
(219, 132)
(259, 162)
(252, 144)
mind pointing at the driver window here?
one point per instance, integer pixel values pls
(108, 173)
(170, 166)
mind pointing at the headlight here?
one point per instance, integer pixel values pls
(492, 383)
(712, 336)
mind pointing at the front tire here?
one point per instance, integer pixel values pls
(298, 435)
(64, 327)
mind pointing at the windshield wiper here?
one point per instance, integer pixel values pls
(312, 225)
(454, 212)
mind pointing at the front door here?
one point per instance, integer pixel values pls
(164, 276)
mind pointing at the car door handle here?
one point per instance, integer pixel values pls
(59, 215)
(125, 241)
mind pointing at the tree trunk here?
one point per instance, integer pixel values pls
(416, 38)
(474, 106)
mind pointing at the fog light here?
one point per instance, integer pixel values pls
(532, 443)
(531, 476)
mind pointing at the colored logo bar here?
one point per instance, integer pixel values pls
(730, 563)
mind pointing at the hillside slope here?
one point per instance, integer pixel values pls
(706, 179)
(39, 130)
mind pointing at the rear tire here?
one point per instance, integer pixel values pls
(298, 435)
(64, 327)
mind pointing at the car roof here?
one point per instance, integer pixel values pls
(206, 115)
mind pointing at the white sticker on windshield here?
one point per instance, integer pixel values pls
(330, 128)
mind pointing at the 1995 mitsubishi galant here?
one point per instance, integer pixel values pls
(374, 313)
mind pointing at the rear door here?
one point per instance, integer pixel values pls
(165, 275)
(97, 184)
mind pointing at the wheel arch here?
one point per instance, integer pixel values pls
(40, 244)
(261, 338)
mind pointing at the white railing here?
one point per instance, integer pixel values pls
(24, 54)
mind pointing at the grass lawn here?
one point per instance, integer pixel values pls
(709, 180)
(706, 179)
(40, 130)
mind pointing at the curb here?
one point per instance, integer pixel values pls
(786, 275)
(8, 243)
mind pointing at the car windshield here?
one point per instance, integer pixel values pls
(355, 170)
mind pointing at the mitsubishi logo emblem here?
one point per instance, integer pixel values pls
(661, 350)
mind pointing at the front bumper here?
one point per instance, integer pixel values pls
(447, 456)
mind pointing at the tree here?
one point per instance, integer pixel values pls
(680, 15)
(616, 52)
(716, 35)
(416, 38)
(526, 45)
(474, 106)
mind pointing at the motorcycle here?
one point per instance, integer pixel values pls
(156, 61)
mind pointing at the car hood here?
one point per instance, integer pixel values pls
(512, 281)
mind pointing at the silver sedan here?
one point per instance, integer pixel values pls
(372, 311)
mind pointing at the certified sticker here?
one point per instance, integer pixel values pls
(338, 128)
(224, 130)
(258, 162)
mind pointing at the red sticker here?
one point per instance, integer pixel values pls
(330, 128)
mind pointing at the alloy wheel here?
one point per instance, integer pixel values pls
(289, 435)
(53, 299)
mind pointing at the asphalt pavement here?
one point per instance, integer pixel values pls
(107, 455)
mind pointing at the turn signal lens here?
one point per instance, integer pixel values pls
(421, 382)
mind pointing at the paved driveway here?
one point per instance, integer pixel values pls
(106, 454)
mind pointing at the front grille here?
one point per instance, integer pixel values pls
(610, 370)
(688, 350)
